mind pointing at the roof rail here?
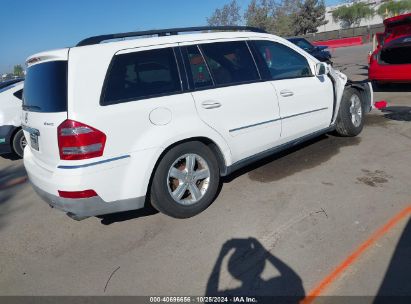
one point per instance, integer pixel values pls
(166, 32)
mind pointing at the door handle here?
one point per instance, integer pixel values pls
(286, 93)
(210, 104)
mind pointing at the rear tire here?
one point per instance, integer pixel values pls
(186, 180)
(350, 119)
(18, 143)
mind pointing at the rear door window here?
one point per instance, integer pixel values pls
(230, 62)
(141, 75)
(45, 87)
(199, 71)
(281, 61)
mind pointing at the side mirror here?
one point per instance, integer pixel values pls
(321, 68)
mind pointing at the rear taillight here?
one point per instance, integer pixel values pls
(79, 141)
(77, 194)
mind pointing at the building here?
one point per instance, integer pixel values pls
(332, 26)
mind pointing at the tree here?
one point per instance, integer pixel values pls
(284, 17)
(261, 14)
(274, 17)
(394, 8)
(229, 14)
(350, 15)
(18, 70)
(310, 15)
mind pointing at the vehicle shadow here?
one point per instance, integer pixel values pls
(12, 176)
(396, 285)
(301, 157)
(247, 260)
(11, 180)
(392, 87)
(399, 113)
(112, 218)
(10, 156)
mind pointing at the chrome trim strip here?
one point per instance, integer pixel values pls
(303, 113)
(95, 163)
(254, 125)
(273, 120)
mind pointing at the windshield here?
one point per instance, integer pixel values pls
(45, 87)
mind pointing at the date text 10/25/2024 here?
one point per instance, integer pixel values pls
(238, 299)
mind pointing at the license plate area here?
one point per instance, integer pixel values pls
(34, 137)
(34, 141)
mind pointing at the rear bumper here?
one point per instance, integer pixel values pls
(116, 190)
(5, 138)
(88, 206)
(390, 73)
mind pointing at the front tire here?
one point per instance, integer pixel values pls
(186, 180)
(18, 143)
(350, 119)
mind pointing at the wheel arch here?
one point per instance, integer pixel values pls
(365, 89)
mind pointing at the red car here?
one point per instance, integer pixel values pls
(391, 61)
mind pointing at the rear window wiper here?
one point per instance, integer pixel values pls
(26, 107)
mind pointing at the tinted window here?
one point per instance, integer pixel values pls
(302, 43)
(230, 62)
(281, 61)
(140, 75)
(45, 87)
(19, 94)
(199, 70)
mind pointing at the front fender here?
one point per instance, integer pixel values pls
(339, 81)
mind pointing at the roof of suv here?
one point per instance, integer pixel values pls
(166, 32)
(152, 41)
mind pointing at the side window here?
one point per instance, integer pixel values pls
(199, 70)
(141, 75)
(281, 61)
(230, 62)
(19, 94)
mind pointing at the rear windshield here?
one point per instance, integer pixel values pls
(45, 87)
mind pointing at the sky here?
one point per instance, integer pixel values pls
(31, 26)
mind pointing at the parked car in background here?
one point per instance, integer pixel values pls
(391, 60)
(11, 135)
(162, 118)
(318, 51)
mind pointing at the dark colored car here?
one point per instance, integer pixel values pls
(318, 51)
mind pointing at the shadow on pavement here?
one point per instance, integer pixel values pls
(109, 219)
(12, 176)
(400, 113)
(306, 155)
(246, 263)
(392, 87)
(10, 156)
(397, 280)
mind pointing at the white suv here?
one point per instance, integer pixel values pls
(159, 119)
